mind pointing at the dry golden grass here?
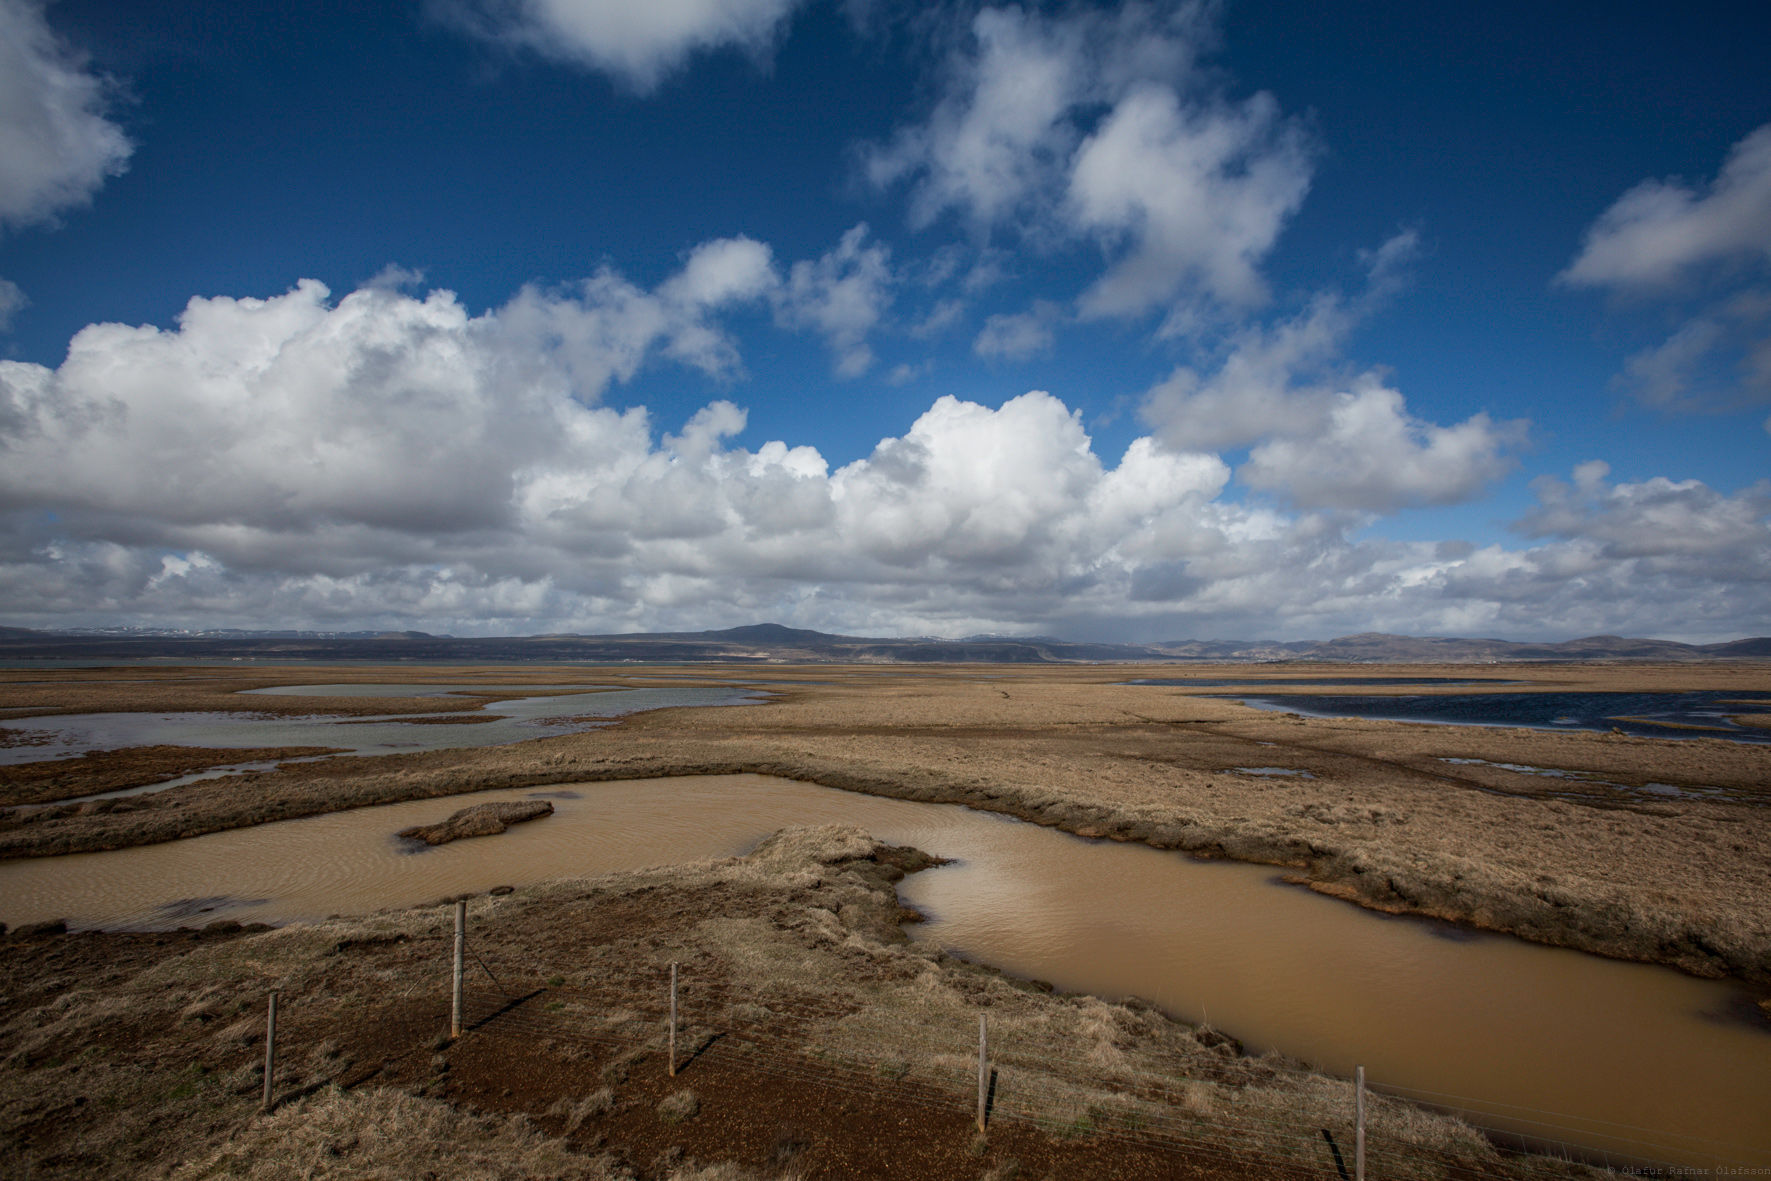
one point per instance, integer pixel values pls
(381, 1132)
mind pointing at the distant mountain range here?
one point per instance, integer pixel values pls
(772, 643)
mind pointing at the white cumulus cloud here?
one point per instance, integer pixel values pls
(1323, 434)
(57, 148)
(639, 44)
(602, 328)
(842, 294)
(1701, 252)
(12, 301)
(1018, 336)
(724, 270)
(379, 412)
(1262, 387)
(1655, 518)
(1661, 230)
(1718, 359)
(1368, 453)
(1100, 126)
(1000, 131)
(1197, 195)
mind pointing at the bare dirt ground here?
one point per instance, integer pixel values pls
(815, 1042)
(1590, 859)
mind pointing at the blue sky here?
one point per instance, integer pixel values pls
(1128, 321)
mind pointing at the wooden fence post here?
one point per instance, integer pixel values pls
(983, 1072)
(460, 956)
(1359, 1124)
(673, 1020)
(270, 1049)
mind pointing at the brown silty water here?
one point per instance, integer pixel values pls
(1625, 1059)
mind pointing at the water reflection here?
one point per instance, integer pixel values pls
(1695, 714)
(1305, 681)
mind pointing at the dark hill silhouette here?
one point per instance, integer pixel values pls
(769, 633)
(776, 643)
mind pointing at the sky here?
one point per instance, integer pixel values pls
(1123, 321)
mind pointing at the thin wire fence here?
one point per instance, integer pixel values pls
(933, 1064)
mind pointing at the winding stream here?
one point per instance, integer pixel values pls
(1624, 1058)
(496, 723)
(511, 719)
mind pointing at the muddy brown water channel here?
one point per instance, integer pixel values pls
(1627, 1059)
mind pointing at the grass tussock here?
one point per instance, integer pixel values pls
(385, 1132)
(679, 1107)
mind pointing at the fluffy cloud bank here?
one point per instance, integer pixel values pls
(386, 459)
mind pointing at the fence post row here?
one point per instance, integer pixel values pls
(270, 1048)
(673, 1020)
(1359, 1123)
(983, 1072)
(455, 1028)
(460, 956)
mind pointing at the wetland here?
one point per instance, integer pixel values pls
(1458, 828)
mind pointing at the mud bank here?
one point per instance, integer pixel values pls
(482, 820)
